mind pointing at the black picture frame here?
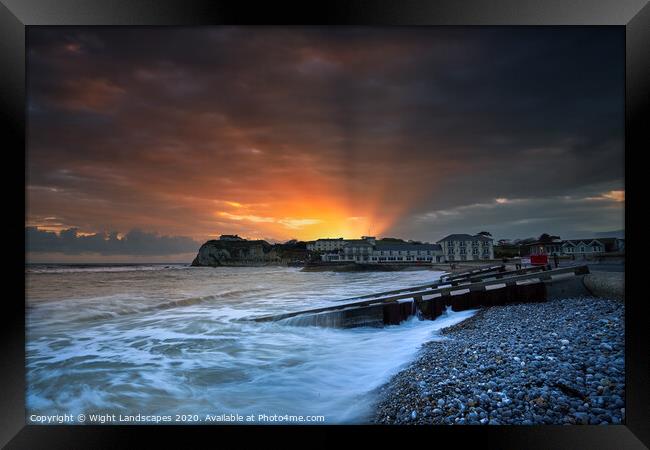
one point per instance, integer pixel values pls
(17, 15)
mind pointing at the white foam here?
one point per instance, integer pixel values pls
(197, 357)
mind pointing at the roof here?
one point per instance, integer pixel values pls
(573, 242)
(379, 245)
(530, 244)
(608, 240)
(406, 246)
(465, 237)
(328, 239)
(586, 241)
(357, 243)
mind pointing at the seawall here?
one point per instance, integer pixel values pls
(606, 284)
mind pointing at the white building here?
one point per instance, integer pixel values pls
(369, 250)
(325, 245)
(465, 247)
(592, 246)
(575, 247)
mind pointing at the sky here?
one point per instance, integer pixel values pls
(145, 142)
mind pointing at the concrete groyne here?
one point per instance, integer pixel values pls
(491, 287)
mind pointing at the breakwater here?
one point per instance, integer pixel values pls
(492, 286)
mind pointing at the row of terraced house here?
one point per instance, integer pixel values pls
(455, 247)
(368, 249)
(575, 247)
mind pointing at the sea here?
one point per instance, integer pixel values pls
(141, 342)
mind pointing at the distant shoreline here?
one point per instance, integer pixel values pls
(107, 264)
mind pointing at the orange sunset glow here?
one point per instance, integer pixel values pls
(179, 136)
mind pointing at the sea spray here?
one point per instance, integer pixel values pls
(171, 341)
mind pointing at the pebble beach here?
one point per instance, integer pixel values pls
(558, 362)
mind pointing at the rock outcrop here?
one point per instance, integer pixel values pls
(224, 252)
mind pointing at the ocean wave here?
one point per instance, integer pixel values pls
(83, 268)
(126, 310)
(90, 310)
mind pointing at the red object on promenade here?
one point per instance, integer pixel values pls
(539, 260)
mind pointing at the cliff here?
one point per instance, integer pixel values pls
(248, 253)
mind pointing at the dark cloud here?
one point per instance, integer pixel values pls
(569, 217)
(135, 242)
(148, 127)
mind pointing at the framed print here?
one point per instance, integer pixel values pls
(355, 217)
